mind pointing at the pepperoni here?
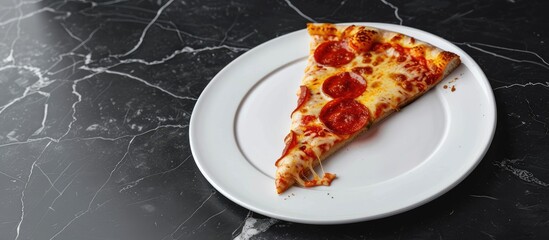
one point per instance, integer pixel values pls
(344, 116)
(291, 142)
(304, 95)
(333, 53)
(347, 84)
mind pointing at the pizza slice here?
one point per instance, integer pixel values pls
(355, 77)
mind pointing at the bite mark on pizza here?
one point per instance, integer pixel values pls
(355, 77)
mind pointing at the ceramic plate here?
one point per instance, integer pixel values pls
(240, 120)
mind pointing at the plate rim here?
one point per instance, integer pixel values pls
(472, 65)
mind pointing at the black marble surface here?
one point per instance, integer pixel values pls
(96, 97)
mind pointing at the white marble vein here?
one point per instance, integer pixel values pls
(185, 49)
(226, 33)
(76, 216)
(52, 185)
(28, 15)
(545, 85)
(12, 177)
(241, 39)
(488, 235)
(73, 107)
(55, 182)
(172, 235)
(70, 66)
(299, 11)
(338, 7)
(103, 70)
(140, 41)
(43, 124)
(135, 182)
(27, 141)
(543, 63)
(18, 228)
(520, 173)
(249, 214)
(51, 206)
(87, 57)
(70, 33)
(208, 219)
(89, 209)
(535, 117)
(32, 89)
(102, 91)
(20, 4)
(456, 16)
(85, 41)
(514, 50)
(396, 10)
(254, 226)
(126, 136)
(522, 123)
(121, 17)
(124, 157)
(173, 28)
(483, 196)
(108, 2)
(10, 57)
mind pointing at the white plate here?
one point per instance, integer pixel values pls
(240, 120)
